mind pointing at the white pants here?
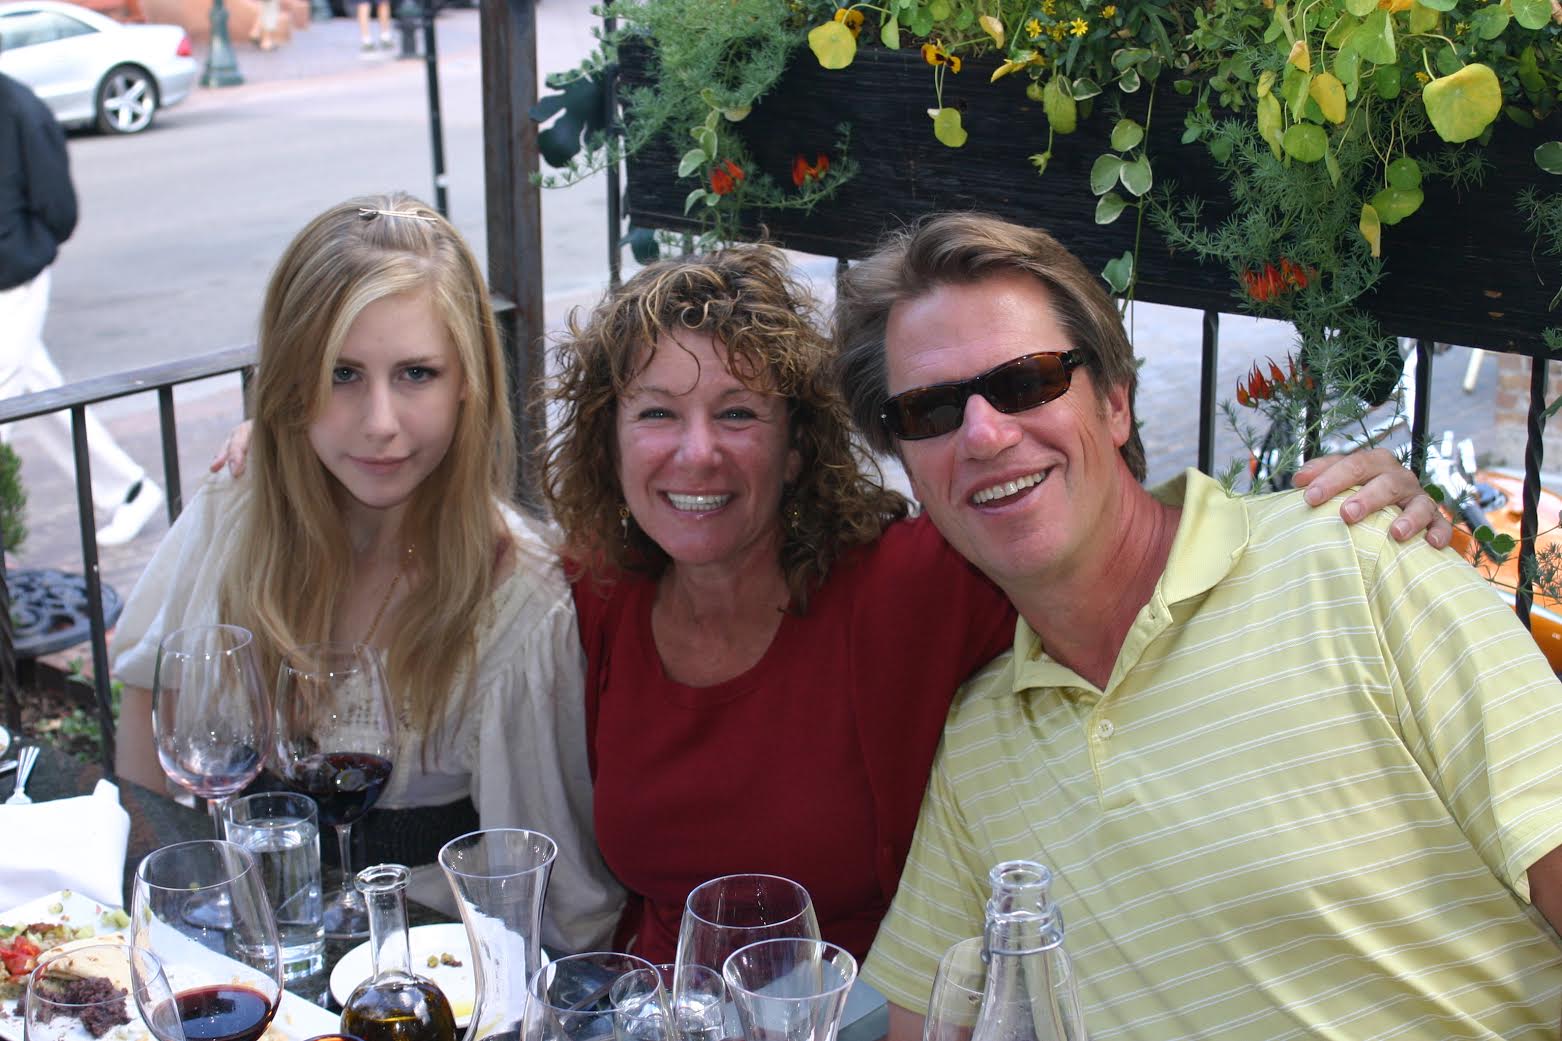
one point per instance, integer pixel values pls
(25, 367)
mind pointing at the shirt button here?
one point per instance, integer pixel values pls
(1105, 729)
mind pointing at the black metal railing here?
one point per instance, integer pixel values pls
(76, 397)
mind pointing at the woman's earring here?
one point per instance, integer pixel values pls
(793, 515)
(623, 522)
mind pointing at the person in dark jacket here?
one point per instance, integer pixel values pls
(37, 214)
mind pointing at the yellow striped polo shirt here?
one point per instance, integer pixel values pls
(1302, 807)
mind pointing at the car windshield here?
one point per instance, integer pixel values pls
(28, 28)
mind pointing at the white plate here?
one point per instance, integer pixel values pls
(457, 981)
(5, 742)
(296, 1018)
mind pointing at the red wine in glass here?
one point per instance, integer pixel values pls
(224, 1012)
(343, 784)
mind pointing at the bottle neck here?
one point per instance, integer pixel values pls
(384, 889)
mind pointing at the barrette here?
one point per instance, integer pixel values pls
(368, 214)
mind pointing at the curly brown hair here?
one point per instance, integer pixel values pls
(745, 298)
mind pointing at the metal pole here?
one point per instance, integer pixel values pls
(615, 221)
(435, 126)
(1209, 362)
(222, 68)
(170, 437)
(89, 559)
(1421, 408)
(1534, 451)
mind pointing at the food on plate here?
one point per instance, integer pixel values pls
(22, 945)
(95, 1000)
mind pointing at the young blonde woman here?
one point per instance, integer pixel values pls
(374, 511)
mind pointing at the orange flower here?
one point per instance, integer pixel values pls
(1294, 274)
(724, 179)
(934, 54)
(803, 171)
(851, 19)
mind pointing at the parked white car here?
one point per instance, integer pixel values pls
(91, 70)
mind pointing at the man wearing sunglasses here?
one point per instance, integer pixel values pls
(1294, 779)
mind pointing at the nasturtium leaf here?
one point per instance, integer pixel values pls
(693, 197)
(1532, 14)
(1329, 93)
(1549, 157)
(1119, 273)
(1297, 83)
(1483, 533)
(1404, 172)
(1529, 70)
(1464, 104)
(1447, 61)
(1395, 204)
(1305, 142)
(1183, 87)
(1136, 175)
(1062, 113)
(1424, 19)
(1220, 149)
(921, 22)
(1190, 134)
(992, 27)
(1387, 81)
(947, 128)
(1126, 134)
(1371, 229)
(1270, 120)
(738, 114)
(692, 160)
(964, 18)
(1435, 492)
(1374, 38)
(1488, 22)
(1439, 5)
(1519, 116)
(1110, 207)
(1361, 8)
(1333, 166)
(1266, 82)
(1082, 88)
(1104, 173)
(1278, 26)
(1300, 56)
(1346, 67)
(939, 10)
(889, 33)
(833, 44)
(1503, 543)
(1339, 33)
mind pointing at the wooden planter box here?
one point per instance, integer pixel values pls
(1461, 270)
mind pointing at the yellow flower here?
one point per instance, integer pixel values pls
(1079, 27)
(1033, 27)
(1109, 11)
(1461, 28)
(1049, 6)
(1422, 77)
(1056, 31)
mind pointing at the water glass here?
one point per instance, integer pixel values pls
(697, 1003)
(790, 990)
(282, 831)
(734, 911)
(958, 987)
(572, 999)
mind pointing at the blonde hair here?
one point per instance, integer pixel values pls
(744, 298)
(294, 560)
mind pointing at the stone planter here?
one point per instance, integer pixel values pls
(1460, 271)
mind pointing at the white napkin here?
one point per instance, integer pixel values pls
(77, 844)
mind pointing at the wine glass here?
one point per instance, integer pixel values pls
(790, 990)
(736, 910)
(597, 995)
(336, 739)
(225, 980)
(210, 716)
(76, 994)
(957, 992)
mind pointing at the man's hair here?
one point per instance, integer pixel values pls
(962, 249)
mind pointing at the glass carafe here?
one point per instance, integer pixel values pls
(499, 877)
(395, 1004)
(1027, 984)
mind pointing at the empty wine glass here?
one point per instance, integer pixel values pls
(572, 999)
(225, 979)
(336, 740)
(957, 992)
(211, 718)
(78, 994)
(734, 911)
(790, 990)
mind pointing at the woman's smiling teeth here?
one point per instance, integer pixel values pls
(1003, 491)
(697, 503)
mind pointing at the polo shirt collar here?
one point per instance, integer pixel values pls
(1212, 535)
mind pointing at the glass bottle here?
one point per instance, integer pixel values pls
(499, 877)
(395, 1004)
(1030, 992)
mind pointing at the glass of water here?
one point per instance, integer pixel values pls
(282, 831)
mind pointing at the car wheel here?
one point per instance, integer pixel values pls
(127, 100)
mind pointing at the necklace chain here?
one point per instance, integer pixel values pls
(390, 590)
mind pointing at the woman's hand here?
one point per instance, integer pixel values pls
(234, 453)
(1383, 482)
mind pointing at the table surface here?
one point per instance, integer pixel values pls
(156, 821)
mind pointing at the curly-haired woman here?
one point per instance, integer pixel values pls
(772, 643)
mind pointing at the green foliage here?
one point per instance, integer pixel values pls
(13, 500)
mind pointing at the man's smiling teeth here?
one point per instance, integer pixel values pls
(698, 503)
(1003, 491)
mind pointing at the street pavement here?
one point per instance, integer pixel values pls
(180, 227)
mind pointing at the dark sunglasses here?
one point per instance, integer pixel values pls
(1014, 386)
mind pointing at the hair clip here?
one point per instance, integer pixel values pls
(368, 214)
